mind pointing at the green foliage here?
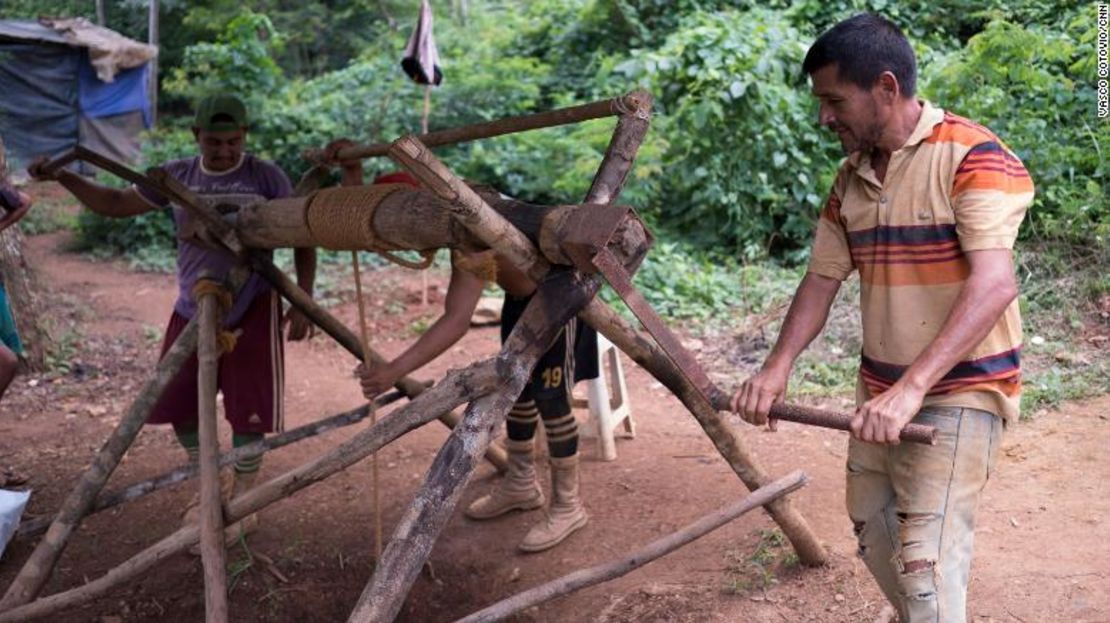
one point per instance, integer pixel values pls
(746, 166)
(1033, 87)
(238, 61)
(760, 569)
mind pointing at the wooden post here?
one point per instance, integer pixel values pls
(458, 387)
(644, 351)
(656, 549)
(36, 571)
(211, 506)
(556, 301)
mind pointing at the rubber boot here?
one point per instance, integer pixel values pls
(566, 513)
(518, 489)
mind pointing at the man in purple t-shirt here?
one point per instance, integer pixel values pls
(251, 376)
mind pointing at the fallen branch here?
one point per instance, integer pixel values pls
(188, 471)
(654, 550)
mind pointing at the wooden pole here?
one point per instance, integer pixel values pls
(152, 38)
(424, 132)
(458, 387)
(36, 571)
(644, 351)
(211, 510)
(469, 208)
(186, 472)
(340, 333)
(374, 480)
(500, 127)
(652, 551)
(554, 304)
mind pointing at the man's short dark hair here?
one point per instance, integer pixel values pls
(863, 47)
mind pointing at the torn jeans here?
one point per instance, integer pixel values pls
(913, 507)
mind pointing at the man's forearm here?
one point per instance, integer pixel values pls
(111, 202)
(806, 317)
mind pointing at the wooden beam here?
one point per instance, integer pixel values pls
(38, 567)
(561, 295)
(644, 351)
(458, 387)
(656, 549)
(211, 506)
(500, 127)
(134, 491)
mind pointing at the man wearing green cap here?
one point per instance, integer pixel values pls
(251, 377)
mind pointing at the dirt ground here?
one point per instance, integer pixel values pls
(1043, 548)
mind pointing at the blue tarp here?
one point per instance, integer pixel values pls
(127, 93)
(38, 98)
(48, 89)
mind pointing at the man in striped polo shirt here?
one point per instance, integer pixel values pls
(926, 208)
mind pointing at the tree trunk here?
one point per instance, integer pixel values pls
(20, 283)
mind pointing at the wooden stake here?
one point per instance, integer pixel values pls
(458, 387)
(365, 334)
(652, 551)
(211, 506)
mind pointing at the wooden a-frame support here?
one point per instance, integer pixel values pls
(490, 387)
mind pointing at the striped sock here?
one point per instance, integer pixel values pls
(520, 425)
(248, 465)
(562, 435)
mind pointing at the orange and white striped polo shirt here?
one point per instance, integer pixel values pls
(953, 187)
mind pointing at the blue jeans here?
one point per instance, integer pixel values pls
(913, 507)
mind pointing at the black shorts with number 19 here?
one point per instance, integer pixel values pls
(550, 374)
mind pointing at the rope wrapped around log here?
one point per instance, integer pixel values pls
(225, 339)
(342, 218)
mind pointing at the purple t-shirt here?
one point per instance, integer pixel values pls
(253, 180)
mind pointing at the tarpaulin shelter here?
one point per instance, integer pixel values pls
(69, 82)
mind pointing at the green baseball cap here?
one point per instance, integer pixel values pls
(221, 113)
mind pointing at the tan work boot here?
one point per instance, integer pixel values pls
(518, 489)
(566, 513)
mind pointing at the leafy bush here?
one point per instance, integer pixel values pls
(746, 166)
(1032, 86)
